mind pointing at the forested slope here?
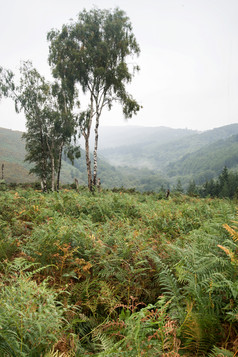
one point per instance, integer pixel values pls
(207, 162)
(157, 154)
(148, 165)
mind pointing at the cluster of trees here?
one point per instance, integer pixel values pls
(226, 185)
(89, 55)
(50, 120)
(208, 161)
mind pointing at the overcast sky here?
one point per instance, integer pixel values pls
(188, 60)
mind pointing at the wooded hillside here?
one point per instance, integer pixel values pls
(158, 157)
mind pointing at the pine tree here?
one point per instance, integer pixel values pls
(192, 188)
(179, 187)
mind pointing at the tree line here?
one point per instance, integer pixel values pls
(225, 186)
(88, 57)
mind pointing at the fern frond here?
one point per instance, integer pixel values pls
(101, 340)
(200, 331)
(230, 254)
(5, 349)
(166, 279)
(232, 232)
(220, 352)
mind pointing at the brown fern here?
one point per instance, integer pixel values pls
(232, 232)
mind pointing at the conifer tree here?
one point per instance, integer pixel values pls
(179, 187)
(192, 188)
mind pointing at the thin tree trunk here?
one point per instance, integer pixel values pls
(52, 158)
(59, 166)
(44, 183)
(76, 184)
(88, 162)
(44, 166)
(95, 158)
(86, 134)
(43, 178)
(52, 173)
(2, 171)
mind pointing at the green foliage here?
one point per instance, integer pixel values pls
(192, 189)
(102, 40)
(50, 122)
(143, 179)
(114, 254)
(221, 352)
(225, 186)
(146, 332)
(93, 52)
(30, 316)
(201, 285)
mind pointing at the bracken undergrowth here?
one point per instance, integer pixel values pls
(117, 274)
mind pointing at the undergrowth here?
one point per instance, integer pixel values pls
(117, 274)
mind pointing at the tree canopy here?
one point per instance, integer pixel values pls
(50, 122)
(93, 52)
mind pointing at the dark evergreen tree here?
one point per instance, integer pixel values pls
(225, 186)
(192, 189)
(179, 187)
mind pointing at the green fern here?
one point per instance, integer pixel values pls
(145, 332)
(101, 340)
(30, 315)
(5, 348)
(220, 352)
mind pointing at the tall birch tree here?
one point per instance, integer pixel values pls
(93, 52)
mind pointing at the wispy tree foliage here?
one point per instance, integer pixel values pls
(48, 108)
(93, 52)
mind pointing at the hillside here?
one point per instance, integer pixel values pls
(155, 157)
(12, 155)
(119, 137)
(158, 153)
(208, 161)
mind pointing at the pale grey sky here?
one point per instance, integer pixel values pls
(189, 56)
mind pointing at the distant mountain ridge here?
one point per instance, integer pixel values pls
(116, 136)
(144, 158)
(157, 154)
(208, 161)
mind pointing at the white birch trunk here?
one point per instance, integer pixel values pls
(88, 162)
(86, 134)
(52, 173)
(95, 157)
(59, 166)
